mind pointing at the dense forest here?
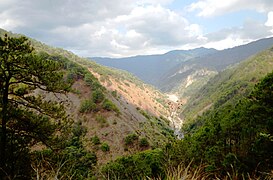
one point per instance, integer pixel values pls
(39, 140)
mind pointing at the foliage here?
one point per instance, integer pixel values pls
(115, 93)
(145, 114)
(91, 81)
(143, 142)
(243, 131)
(105, 147)
(97, 96)
(74, 161)
(95, 140)
(110, 106)
(87, 106)
(138, 166)
(130, 139)
(229, 85)
(26, 118)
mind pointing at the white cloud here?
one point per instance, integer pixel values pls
(269, 21)
(154, 2)
(100, 27)
(234, 36)
(145, 30)
(252, 30)
(227, 42)
(126, 27)
(208, 8)
(160, 26)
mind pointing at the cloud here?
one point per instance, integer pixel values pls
(209, 8)
(160, 26)
(100, 27)
(125, 27)
(154, 2)
(234, 36)
(228, 42)
(144, 30)
(269, 22)
(250, 30)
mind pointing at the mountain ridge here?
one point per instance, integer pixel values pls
(150, 67)
(184, 72)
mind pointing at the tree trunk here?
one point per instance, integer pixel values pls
(4, 130)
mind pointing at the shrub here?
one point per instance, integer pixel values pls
(98, 96)
(138, 166)
(95, 140)
(143, 142)
(130, 139)
(87, 106)
(110, 106)
(91, 81)
(105, 147)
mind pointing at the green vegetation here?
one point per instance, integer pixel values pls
(97, 96)
(143, 142)
(144, 113)
(95, 140)
(115, 94)
(233, 140)
(105, 147)
(87, 106)
(230, 85)
(72, 161)
(130, 139)
(243, 131)
(110, 106)
(27, 120)
(139, 166)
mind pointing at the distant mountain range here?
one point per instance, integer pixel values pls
(184, 72)
(151, 68)
(190, 75)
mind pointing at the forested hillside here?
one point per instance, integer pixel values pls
(59, 121)
(66, 117)
(233, 141)
(230, 85)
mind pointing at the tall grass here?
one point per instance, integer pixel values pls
(183, 172)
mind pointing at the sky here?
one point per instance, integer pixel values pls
(121, 28)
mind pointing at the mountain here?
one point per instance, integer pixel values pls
(187, 78)
(151, 68)
(184, 72)
(127, 106)
(112, 113)
(228, 86)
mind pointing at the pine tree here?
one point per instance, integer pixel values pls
(26, 118)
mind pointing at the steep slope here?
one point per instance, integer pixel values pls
(110, 117)
(228, 86)
(135, 92)
(151, 68)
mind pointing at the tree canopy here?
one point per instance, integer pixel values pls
(26, 117)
